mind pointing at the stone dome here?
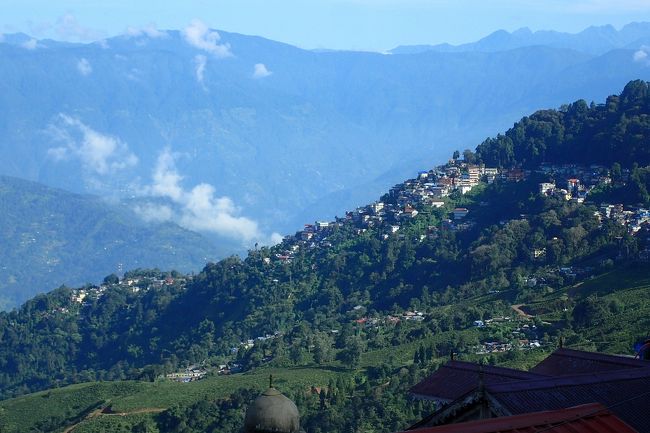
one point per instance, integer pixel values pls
(272, 412)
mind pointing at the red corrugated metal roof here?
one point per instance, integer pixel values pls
(456, 378)
(588, 418)
(626, 392)
(564, 362)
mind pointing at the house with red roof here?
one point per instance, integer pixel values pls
(588, 418)
(565, 379)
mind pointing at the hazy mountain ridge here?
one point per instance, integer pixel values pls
(271, 143)
(50, 237)
(595, 40)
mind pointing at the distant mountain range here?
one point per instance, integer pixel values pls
(241, 138)
(594, 40)
(49, 237)
(288, 135)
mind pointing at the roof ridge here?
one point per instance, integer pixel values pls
(604, 357)
(548, 420)
(571, 380)
(472, 366)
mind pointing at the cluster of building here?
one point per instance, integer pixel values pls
(576, 182)
(632, 218)
(572, 181)
(590, 175)
(523, 337)
(190, 374)
(375, 322)
(248, 344)
(85, 295)
(574, 190)
(400, 205)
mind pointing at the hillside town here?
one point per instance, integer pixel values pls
(387, 216)
(429, 190)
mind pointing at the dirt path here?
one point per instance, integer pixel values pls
(100, 412)
(135, 412)
(91, 415)
(520, 312)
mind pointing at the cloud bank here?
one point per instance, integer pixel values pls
(98, 153)
(200, 62)
(641, 56)
(31, 44)
(68, 28)
(150, 31)
(199, 208)
(260, 71)
(84, 67)
(198, 35)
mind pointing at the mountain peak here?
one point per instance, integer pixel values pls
(594, 40)
(523, 31)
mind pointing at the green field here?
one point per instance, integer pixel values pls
(69, 405)
(625, 295)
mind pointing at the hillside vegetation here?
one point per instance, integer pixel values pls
(50, 237)
(352, 312)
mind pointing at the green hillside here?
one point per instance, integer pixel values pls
(49, 237)
(493, 262)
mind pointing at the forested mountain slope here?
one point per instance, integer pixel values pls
(579, 133)
(547, 250)
(50, 237)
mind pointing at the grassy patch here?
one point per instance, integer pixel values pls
(54, 409)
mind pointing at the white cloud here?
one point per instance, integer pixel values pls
(150, 31)
(68, 28)
(84, 67)
(166, 180)
(199, 208)
(31, 44)
(98, 153)
(260, 71)
(641, 56)
(156, 213)
(200, 36)
(58, 153)
(200, 61)
(205, 212)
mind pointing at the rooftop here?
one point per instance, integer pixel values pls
(625, 392)
(457, 378)
(588, 418)
(564, 362)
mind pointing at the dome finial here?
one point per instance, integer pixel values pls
(270, 381)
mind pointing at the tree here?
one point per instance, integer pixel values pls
(323, 349)
(351, 355)
(616, 172)
(469, 157)
(589, 312)
(111, 279)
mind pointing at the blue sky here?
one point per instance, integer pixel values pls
(339, 24)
